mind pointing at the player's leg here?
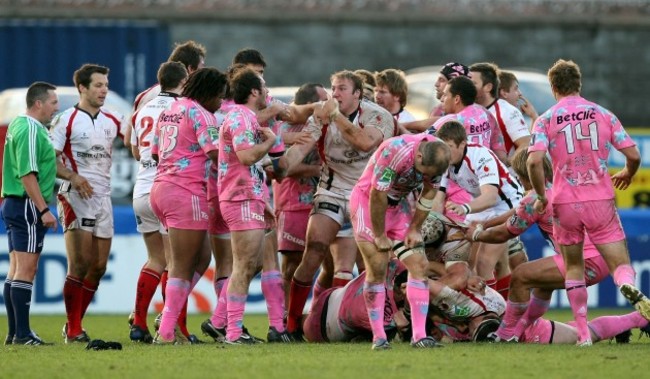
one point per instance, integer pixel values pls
(374, 290)
(273, 289)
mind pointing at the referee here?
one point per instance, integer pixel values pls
(28, 174)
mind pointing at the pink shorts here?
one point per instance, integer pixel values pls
(313, 327)
(398, 218)
(186, 210)
(216, 224)
(456, 194)
(244, 215)
(598, 218)
(292, 230)
(540, 331)
(595, 268)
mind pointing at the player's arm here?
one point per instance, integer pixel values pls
(303, 170)
(623, 178)
(378, 204)
(30, 183)
(78, 182)
(488, 198)
(536, 173)
(500, 219)
(496, 234)
(419, 126)
(422, 208)
(365, 139)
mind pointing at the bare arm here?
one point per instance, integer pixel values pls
(496, 234)
(623, 178)
(536, 175)
(365, 139)
(78, 182)
(489, 197)
(251, 155)
(136, 152)
(420, 126)
(303, 170)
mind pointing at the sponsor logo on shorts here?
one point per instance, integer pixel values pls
(138, 220)
(293, 239)
(88, 222)
(257, 216)
(329, 207)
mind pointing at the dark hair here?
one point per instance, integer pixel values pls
(395, 81)
(83, 75)
(464, 87)
(38, 91)
(249, 56)
(204, 85)
(506, 80)
(565, 77)
(452, 131)
(489, 75)
(188, 53)
(243, 83)
(356, 80)
(307, 93)
(171, 74)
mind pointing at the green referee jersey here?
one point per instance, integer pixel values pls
(28, 149)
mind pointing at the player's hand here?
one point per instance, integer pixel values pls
(540, 204)
(49, 221)
(471, 229)
(456, 208)
(413, 239)
(82, 186)
(622, 179)
(267, 134)
(527, 108)
(269, 216)
(383, 244)
(476, 284)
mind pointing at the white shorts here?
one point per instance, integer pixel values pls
(145, 220)
(94, 215)
(500, 208)
(335, 208)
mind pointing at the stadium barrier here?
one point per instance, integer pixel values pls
(117, 290)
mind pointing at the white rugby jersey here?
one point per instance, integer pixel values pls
(144, 126)
(511, 122)
(480, 166)
(87, 145)
(343, 164)
(463, 305)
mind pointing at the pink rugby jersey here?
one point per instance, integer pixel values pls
(391, 168)
(578, 135)
(237, 182)
(185, 133)
(480, 125)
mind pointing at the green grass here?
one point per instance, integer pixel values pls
(311, 360)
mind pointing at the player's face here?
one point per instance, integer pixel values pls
(440, 85)
(512, 94)
(448, 101)
(214, 105)
(95, 94)
(258, 68)
(386, 99)
(49, 107)
(260, 103)
(348, 98)
(457, 151)
(480, 87)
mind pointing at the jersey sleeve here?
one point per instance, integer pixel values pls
(383, 121)
(386, 166)
(620, 138)
(242, 131)
(539, 140)
(525, 215)
(58, 132)
(25, 141)
(487, 169)
(516, 125)
(313, 128)
(205, 127)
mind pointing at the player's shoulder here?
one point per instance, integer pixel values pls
(370, 110)
(111, 115)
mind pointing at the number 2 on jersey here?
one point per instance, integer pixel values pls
(146, 125)
(574, 132)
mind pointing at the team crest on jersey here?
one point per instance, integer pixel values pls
(108, 133)
(351, 153)
(387, 176)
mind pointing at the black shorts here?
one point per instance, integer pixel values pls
(25, 231)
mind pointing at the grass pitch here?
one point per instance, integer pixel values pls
(603, 360)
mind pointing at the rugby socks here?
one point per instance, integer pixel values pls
(503, 286)
(417, 294)
(72, 297)
(273, 291)
(11, 321)
(624, 274)
(236, 305)
(318, 290)
(147, 284)
(609, 326)
(21, 299)
(182, 317)
(89, 289)
(176, 295)
(342, 278)
(297, 298)
(513, 313)
(220, 315)
(536, 308)
(163, 283)
(374, 295)
(576, 291)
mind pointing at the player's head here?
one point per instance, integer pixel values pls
(91, 81)
(391, 88)
(432, 158)
(310, 93)
(486, 78)
(42, 101)
(483, 326)
(519, 165)
(251, 58)
(189, 53)
(207, 86)
(509, 87)
(369, 84)
(247, 83)
(449, 71)
(171, 75)
(459, 93)
(347, 89)
(433, 233)
(454, 135)
(565, 78)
